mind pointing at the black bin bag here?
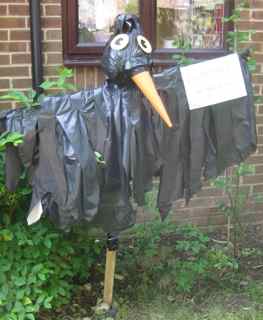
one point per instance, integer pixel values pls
(92, 153)
(203, 142)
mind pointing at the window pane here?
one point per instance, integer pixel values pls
(96, 17)
(190, 23)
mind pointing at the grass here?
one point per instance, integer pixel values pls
(222, 305)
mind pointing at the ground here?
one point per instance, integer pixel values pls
(238, 297)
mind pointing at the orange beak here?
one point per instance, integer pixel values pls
(145, 83)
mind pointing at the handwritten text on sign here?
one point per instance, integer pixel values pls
(213, 81)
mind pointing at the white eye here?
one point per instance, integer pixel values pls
(119, 42)
(144, 44)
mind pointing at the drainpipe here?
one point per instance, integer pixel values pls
(36, 41)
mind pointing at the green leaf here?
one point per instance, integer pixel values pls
(30, 316)
(19, 282)
(48, 243)
(6, 235)
(14, 138)
(48, 85)
(47, 304)
(26, 301)
(42, 276)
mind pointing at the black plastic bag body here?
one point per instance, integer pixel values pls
(202, 142)
(62, 136)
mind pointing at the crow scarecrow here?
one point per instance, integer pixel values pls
(88, 153)
(134, 142)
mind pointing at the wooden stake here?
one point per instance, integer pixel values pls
(109, 276)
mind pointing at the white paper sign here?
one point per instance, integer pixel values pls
(213, 81)
(35, 214)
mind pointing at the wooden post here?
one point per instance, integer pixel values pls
(109, 276)
(112, 246)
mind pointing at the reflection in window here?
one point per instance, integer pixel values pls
(96, 17)
(190, 23)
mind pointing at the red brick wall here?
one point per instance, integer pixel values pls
(15, 72)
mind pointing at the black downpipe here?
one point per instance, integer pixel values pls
(36, 44)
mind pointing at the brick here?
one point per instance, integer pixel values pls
(244, 25)
(50, 70)
(50, 1)
(5, 105)
(258, 188)
(53, 35)
(258, 36)
(254, 159)
(209, 192)
(4, 83)
(18, 10)
(3, 10)
(257, 25)
(54, 58)
(257, 78)
(260, 140)
(257, 4)
(22, 83)
(256, 46)
(257, 15)
(245, 14)
(8, 23)
(13, 47)
(260, 131)
(20, 35)
(203, 202)
(4, 59)
(14, 1)
(52, 46)
(259, 169)
(14, 71)
(253, 179)
(258, 57)
(3, 35)
(21, 58)
(52, 10)
(51, 22)
(259, 119)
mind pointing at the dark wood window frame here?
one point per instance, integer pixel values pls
(75, 53)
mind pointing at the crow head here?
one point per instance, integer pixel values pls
(127, 59)
(127, 51)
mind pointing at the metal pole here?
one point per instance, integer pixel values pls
(36, 44)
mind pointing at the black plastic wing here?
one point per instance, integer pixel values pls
(202, 142)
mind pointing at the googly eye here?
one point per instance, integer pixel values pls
(144, 44)
(120, 42)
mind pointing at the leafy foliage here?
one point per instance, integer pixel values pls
(236, 37)
(61, 83)
(31, 98)
(176, 259)
(14, 138)
(38, 264)
(12, 204)
(37, 268)
(28, 99)
(237, 199)
(182, 58)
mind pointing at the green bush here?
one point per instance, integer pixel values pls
(37, 267)
(13, 205)
(176, 259)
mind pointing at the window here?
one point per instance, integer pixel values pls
(195, 25)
